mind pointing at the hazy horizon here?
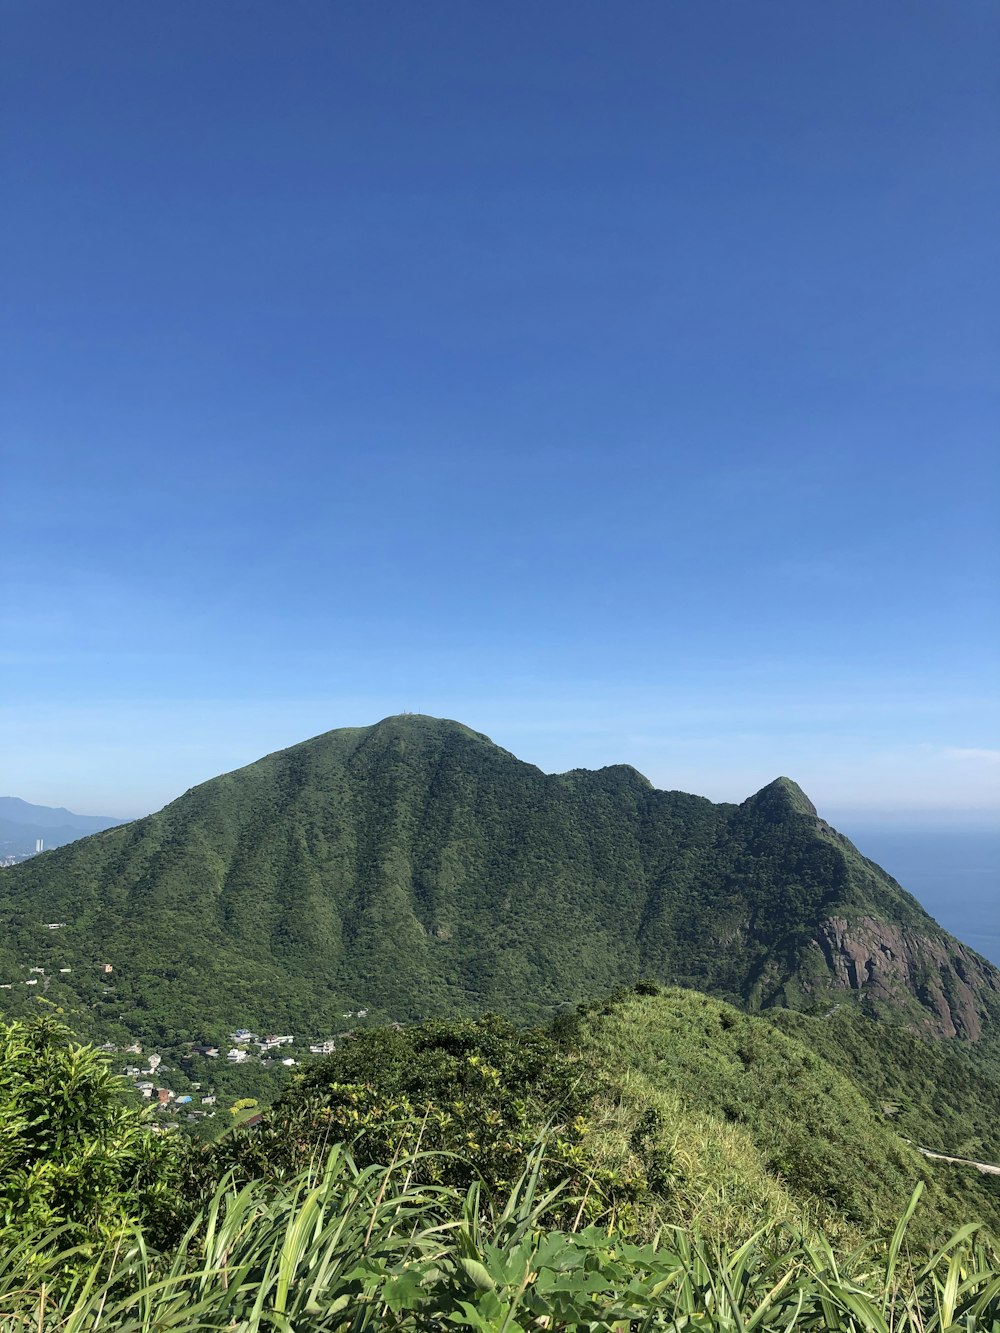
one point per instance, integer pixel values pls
(618, 380)
(880, 814)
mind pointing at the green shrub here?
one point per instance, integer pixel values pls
(73, 1153)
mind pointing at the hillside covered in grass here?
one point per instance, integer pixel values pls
(655, 1160)
(943, 1095)
(666, 1107)
(414, 868)
(805, 1123)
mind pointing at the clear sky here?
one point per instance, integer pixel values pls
(618, 379)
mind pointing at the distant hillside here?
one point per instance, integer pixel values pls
(22, 824)
(414, 868)
(943, 1095)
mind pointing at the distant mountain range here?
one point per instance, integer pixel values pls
(22, 824)
(414, 868)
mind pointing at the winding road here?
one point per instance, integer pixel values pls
(987, 1168)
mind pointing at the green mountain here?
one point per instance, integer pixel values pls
(414, 868)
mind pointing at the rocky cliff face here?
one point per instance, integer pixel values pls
(888, 964)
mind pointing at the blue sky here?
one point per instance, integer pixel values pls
(620, 380)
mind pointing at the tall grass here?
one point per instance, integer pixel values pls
(354, 1249)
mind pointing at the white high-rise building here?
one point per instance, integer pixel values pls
(39, 844)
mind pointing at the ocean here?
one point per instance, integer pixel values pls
(954, 875)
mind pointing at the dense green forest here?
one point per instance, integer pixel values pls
(656, 1159)
(606, 1155)
(414, 869)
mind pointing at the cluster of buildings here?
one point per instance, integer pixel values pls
(148, 1086)
(249, 1045)
(246, 1046)
(240, 1052)
(35, 974)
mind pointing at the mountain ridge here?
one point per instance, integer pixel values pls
(415, 868)
(23, 824)
(18, 811)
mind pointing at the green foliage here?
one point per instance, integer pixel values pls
(660, 1108)
(357, 1249)
(943, 1095)
(659, 1161)
(72, 1153)
(242, 1106)
(464, 1100)
(704, 1067)
(414, 869)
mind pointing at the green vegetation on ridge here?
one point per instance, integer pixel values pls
(801, 1123)
(676, 1108)
(943, 1095)
(658, 1160)
(416, 869)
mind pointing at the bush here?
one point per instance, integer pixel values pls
(73, 1153)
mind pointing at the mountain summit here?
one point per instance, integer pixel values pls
(414, 868)
(781, 798)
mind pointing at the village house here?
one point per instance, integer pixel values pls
(272, 1043)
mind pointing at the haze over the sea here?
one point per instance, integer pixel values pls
(953, 873)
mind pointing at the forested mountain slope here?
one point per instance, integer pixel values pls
(415, 868)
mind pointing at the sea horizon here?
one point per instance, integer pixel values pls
(953, 873)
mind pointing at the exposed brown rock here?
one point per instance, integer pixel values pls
(889, 963)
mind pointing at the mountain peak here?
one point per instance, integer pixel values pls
(414, 868)
(423, 722)
(422, 729)
(781, 798)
